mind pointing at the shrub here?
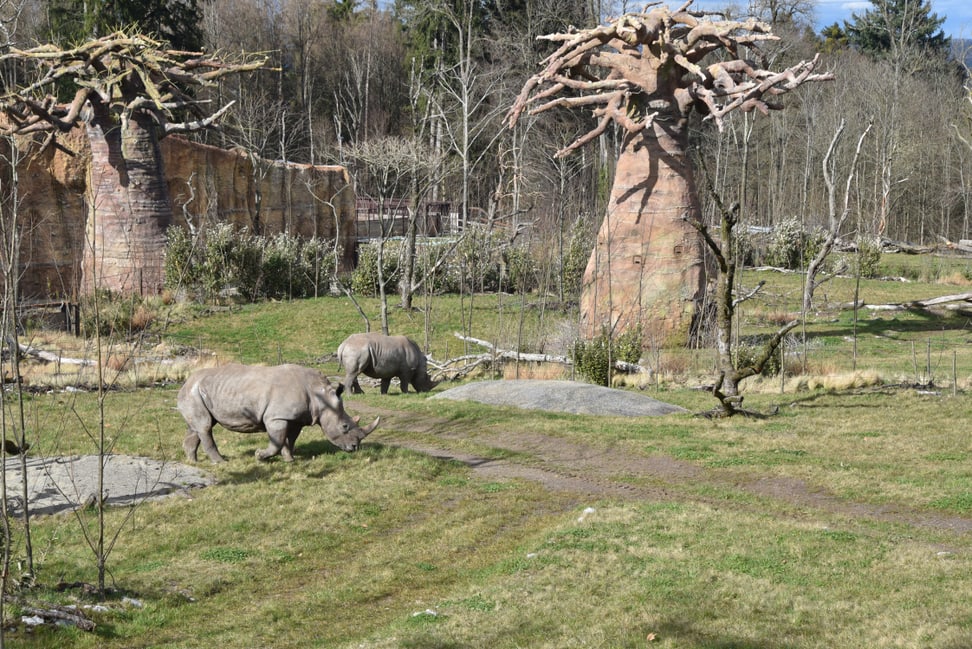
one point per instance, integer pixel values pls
(280, 268)
(105, 313)
(521, 269)
(215, 268)
(317, 264)
(748, 351)
(246, 265)
(447, 277)
(364, 278)
(792, 246)
(591, 358)
(181, 265)
(577, 253)
(868, 257)
(477, 262)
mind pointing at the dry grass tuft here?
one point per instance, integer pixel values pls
(118, 363)
(538, 371)
(836, 382)
(954, 278)
(143, 318)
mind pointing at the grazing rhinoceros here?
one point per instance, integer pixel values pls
(383, 357)
(279, 400)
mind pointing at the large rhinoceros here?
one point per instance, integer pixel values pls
(279, 400)
(383, 357)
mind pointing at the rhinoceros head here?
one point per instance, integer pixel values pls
(339, 427)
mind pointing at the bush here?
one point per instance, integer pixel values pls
(747, 353)
(477, 263)
(575, 258)
(246, 265)
(868, 258)
(107, 314)
(792, 246)
(318, 265)
(364, 279)
(181, 267)
(591, 358)
(447, 277)
(521, 269)
(279, 267)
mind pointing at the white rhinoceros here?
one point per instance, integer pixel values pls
(277, 400)
(383, 357)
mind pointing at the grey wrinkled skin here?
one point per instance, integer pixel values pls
(278, 400)
(384, 358)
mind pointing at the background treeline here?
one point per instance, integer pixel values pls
(437, 77)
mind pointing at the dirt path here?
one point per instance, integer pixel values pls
(588, 471)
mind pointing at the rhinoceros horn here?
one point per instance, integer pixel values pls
(370, 428)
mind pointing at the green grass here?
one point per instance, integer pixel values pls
(391, 548)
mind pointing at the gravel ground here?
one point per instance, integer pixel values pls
(62, 483)
(561, 396)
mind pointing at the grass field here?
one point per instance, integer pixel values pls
(845, 520)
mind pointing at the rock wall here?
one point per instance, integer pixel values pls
(207, 185)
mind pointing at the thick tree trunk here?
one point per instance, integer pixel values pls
(128, 207)
(647, 267)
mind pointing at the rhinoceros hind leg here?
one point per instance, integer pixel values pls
(208, 444)
(191, 445)
(356, 387)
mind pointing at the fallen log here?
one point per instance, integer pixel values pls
(62, 615)
(923, 304)
(51, 357)
(503, 354)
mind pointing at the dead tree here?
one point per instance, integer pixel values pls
(128, 93)
(732, 372)
(647, 72)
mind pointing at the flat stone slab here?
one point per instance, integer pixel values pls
(57, 484)
(561, 396)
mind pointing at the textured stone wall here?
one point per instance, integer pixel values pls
(207, 185)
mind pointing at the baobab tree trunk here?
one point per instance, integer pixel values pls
(128, 206)
(647, 267)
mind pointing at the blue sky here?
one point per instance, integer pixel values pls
(957, 13)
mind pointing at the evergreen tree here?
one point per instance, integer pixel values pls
(893, 28)
(178, 22)
(833, 38)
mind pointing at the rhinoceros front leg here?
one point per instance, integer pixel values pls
(278, 431)
(384, 385)
(292, 434)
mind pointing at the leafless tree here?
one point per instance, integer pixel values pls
(731, 372)
(395, 173)
(837, 214)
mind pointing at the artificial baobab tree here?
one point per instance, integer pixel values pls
(646, 73)
(128, 92)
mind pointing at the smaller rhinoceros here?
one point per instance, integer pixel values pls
(383, 357)
(277, 400)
